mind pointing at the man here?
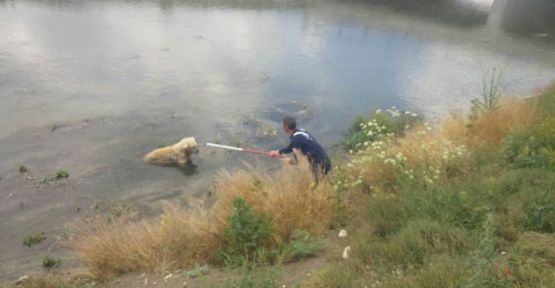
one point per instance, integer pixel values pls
(302, 140)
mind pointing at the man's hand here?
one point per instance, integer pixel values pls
(274, 153)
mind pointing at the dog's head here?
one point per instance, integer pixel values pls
(188, 145)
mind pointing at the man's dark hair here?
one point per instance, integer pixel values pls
(290, 122)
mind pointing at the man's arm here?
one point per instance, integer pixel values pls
(294, 144)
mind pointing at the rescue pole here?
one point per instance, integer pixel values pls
(247, 150)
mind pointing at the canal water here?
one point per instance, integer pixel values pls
(91, 86)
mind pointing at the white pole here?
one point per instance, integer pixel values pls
(224, 146)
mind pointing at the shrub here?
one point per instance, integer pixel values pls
(533, 148)
(245, 234)
(182, 237)
(386, 214)
(441, 271)
(418, 159)
(303, 245)
(49, 262)
(378, 126)
(60, 174)
(33, 239)
(540, 214)
(23, 169)
(491, 93)
(491, 127)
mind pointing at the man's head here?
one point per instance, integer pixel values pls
(289, 124)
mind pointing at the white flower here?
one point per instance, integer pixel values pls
(346, 252)
(378, 111)
(342, 233)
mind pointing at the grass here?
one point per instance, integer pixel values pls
(60, 174)
(41, 282)
(181, 237)
(33, 239)
(466, 203)
(52, 280)
(49, 262)
(252, 278)
(470, 223)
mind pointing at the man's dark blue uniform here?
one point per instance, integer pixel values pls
(302, 140)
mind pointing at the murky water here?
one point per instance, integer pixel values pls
(91, 86)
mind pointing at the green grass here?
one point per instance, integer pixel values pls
(49, 262)
(257, 277)
(34, 239)
(59, 175)
(491, 226)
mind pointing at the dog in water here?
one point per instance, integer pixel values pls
(179, 153)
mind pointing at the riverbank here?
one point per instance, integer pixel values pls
(466, 202)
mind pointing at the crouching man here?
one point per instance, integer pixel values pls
(303, 141)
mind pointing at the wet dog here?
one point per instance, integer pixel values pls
(179, 153)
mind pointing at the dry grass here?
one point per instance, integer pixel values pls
(512, 114)
(427, 155)
(286, 195)
(420, 157)
(181, 237)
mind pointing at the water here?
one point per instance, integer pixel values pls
(116, 79)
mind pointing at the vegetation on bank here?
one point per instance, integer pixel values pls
(257, 218)
(469, 202)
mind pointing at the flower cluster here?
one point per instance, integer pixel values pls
(388, 158)
(379, 126)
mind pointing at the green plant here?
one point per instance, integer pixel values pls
(532, 148)
(491, 93)
(197, 271)
(341, 188)
(303, 245)
(60, 174)
(379, 125)
(386, 215)
(49, 262)
(256, 277)
(23, 169)
(540, 214)
(33, 239)
(246, 233)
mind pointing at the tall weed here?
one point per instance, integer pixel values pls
(181, 237)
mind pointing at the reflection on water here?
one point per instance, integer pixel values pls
(188, 169)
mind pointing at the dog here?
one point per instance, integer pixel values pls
(179, 153)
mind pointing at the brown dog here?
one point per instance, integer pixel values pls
(178, 153)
